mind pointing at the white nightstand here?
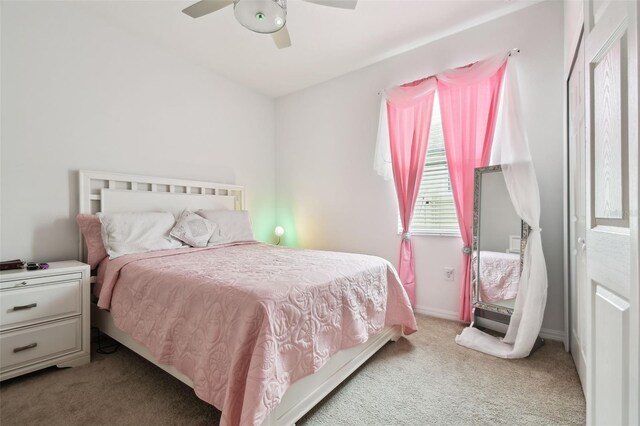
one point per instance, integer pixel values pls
(44, 318)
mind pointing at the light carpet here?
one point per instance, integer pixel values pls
(425, 379)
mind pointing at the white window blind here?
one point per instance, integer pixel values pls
(435, 210)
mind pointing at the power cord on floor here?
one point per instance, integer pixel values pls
(105, 348)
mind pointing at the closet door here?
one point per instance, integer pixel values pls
(611, 56)
(578, 213)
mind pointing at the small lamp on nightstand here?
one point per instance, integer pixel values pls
(279, 231)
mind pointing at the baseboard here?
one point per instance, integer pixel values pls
(438, 313)
(579, 360)
(545, 333)
(557, 335)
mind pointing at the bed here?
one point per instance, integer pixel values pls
(261, 332)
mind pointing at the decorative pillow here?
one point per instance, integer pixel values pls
(233, 226)
(126, 233)
(193, 229)
(91, 229)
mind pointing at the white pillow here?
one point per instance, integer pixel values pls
(233, 226)
(193, 229)
(126, 233)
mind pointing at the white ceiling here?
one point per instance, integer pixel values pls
(326, 42)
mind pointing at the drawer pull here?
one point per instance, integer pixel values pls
(24, 348)
(23, 307)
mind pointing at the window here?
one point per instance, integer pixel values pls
(435, 210)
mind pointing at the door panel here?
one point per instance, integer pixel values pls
(577, 212)
(610, 243)
(612, 333)
(608, 139)
(612, 211)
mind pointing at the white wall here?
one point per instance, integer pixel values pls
(330, 198)
(78, 93)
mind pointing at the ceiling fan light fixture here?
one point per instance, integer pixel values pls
(261, 16)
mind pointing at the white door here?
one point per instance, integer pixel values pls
(578, 213)
(611, 70)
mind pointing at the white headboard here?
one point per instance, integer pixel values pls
(119, 192)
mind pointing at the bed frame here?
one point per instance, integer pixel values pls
(113, 192)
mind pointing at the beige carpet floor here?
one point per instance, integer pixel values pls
(425, 379)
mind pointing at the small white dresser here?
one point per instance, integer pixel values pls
(44, 318)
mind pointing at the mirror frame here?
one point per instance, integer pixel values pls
(524, 235)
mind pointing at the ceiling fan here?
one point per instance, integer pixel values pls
(261, 16)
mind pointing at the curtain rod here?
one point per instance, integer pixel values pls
(513, 52)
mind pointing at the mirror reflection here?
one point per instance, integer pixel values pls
(498, 236)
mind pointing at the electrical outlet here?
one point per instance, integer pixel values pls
(448, 273)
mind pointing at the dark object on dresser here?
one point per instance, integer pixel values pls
(11, 264)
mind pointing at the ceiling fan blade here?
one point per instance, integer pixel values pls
(204, 7)
(281, 38)
(342, 4)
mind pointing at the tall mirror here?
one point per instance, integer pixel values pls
(499, 238)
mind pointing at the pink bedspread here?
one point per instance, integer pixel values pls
(243, 322)
(499, 276)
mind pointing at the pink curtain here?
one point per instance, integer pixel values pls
(468, 104)
(409, 109)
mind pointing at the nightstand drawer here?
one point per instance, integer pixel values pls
(37, 280)
(25, 306)
(34, 344)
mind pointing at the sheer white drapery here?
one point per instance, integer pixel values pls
(382, 157)
(511, 150)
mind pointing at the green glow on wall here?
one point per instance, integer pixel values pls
(263, 222)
